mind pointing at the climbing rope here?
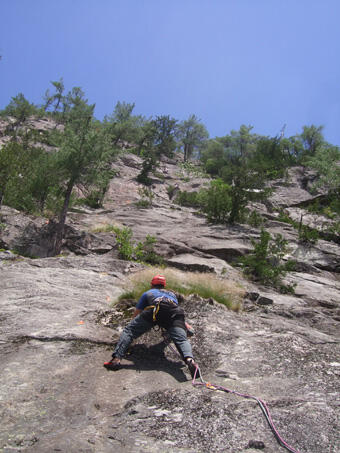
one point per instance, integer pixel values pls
(260, 402)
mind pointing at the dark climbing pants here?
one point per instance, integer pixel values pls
(139, 325)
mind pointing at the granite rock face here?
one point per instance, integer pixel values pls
(58, 326)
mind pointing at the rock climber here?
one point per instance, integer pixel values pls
(157, 306)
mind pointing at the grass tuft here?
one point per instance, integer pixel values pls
(104, 228)
(205, 285)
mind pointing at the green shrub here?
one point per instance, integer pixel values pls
(147, 167)
(189, 169)
(93, 200)
(189, 199)
(265, 264)
(284, 217)
(142, 204)
(308, 235)
(329, 207)
(147, 196)
(216, 201)
(142, 251)
(334, 205)
(254, 219)
(124, 242)
(171, 191)
(334, 229)
(328, 212)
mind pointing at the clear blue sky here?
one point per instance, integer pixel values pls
(230, 62)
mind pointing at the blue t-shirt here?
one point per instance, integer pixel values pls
(148, 297)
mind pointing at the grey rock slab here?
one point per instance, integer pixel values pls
(55, 335)
(32, 299)
(323, 255)
(56, 395)
(318, 287)
(190, 262)
(293, 189)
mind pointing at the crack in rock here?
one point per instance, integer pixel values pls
(23, 338)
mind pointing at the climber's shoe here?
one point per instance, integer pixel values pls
(193, 367)
(113, 364)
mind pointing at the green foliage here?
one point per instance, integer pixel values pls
(145, 138)
(171, 190)
(157, 139)
(216, 202)
(145, 253)
(254, 219)
(121, 126)
(124, 242)
(213, 156)
(192, 135)
(84, 151)
(334, 203)
(271, 158)
(265, 264)
(27, 175)
(92, 200)
(56, 102)
(312, 140)
(37, 181)
(10, 164)
(212, 166)
(164, 140)
(142, 203)
(284, 217)
(189, 199)
(97, 190)
(326, 161)
(20, 109)
(329, 206)
(147, 196)
(189, 169)
(142, 251)
(334, 229)
(308, 235)
(148, 165)
(239, 159)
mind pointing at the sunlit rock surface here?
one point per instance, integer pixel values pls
(58, 326)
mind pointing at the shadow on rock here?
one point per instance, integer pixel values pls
(146, 358)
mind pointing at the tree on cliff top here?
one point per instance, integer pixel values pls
(192, 135)
(158, 139)
(236, 159)
(84, 152)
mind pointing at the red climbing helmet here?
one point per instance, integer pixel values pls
(158, 280)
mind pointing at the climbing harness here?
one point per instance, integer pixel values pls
(260, 402)
(156, 306)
